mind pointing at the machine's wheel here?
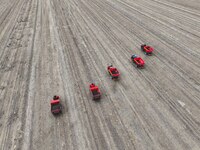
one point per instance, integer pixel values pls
(142, 46)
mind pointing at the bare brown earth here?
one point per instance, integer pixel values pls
(59, 47)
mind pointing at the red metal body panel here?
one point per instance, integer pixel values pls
(148, 49)
(95, 88)
(55, 102)
(56, 107)
(139, 61)
(113, 71)
(95, 91)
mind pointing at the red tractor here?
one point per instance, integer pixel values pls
(138, 61)
(147, 49)
(56, 107)
(96, 94)
(114, 73)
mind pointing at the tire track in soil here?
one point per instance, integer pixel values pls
(91, 7)
(14, 111)
(76, 47)
(30, 91)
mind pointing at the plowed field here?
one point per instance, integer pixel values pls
(50, 47)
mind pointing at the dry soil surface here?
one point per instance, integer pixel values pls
(59, 47)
